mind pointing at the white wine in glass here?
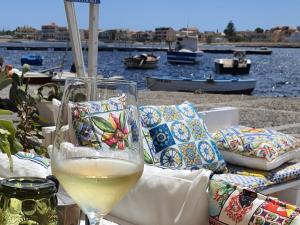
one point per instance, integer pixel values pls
(101, 158)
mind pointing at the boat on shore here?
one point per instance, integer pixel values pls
(210, 85)
(186, 50)
(142, 61)
(238, 65)
(32, 59)
(45, 76)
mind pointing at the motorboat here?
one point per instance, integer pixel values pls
(238, 65)
(142, 61)
(186, 50)
(209, 85)
(32, 59)
(45, 76)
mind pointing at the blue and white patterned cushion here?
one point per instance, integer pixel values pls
(259, 179)
(176, 137)
(252, 182)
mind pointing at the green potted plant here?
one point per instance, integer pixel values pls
(9, 144)
(28, 131)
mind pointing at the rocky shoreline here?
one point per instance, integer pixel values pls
(280, 113)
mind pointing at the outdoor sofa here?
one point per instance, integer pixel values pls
(282, 182)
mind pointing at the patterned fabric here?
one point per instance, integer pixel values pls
(103, 124)
(33, 158)
(229, 204)
(175, 137)
(253, 142)
(258, 179)
(252, 182)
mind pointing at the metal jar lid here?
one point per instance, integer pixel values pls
(21, 187)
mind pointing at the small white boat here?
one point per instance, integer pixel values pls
(186, 50)
(143, 61)
(224, 86)
(238, 65)
(45, 76)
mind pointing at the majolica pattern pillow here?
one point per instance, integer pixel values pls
(231, 205)
(102, 124)
(263, 149)
(177, 138)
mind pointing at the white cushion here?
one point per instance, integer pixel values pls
(259, 163)
(165, 196)
(24, 165)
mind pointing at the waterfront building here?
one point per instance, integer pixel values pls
(212, 37)
(115, 35)
(165, 34)
(84, 34)
(294, 37)
(25, 32)
(48, 31)
(143, 36)
(62, 34)
(282, 33)
(254, 36)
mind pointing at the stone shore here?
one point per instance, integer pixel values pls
(280, 113)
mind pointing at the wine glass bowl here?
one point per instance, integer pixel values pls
(97, 156)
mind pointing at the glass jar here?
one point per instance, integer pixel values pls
(28, 201)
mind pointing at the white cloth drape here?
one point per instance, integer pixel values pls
(166, 197)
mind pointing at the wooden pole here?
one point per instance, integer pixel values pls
(93, 40)
(75, 38)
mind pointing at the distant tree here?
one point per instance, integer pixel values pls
(230, 30)
(259, 30)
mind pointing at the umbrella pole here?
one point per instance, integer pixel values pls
(93, 40)
(75, 38)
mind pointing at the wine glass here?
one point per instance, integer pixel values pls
(97, 155)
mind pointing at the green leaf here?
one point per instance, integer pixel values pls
(21, 95)
(5, 112)
(147, 158)
(8, 125)
(16, 147)
(126, 142)
(4, 145)
(5, 82)
(103, 124)
(5, 148)
(16, 79)
(122, 120)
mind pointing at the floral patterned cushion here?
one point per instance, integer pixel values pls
(231, 205)
(100, 124)
(175, 137)
(256, 148)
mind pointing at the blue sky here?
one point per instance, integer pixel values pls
(147, 14)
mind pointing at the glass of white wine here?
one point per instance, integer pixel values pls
(97, 154)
